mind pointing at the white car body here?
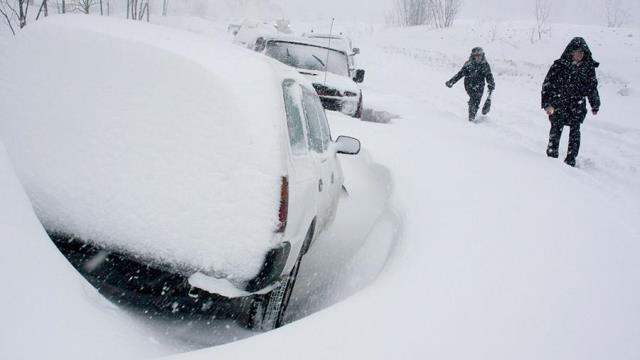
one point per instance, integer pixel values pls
(336, 41)
(204, 169)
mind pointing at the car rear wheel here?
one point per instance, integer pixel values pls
(267, 311)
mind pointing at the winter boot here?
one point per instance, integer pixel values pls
(571, 161)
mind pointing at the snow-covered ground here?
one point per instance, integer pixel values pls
(503, 253)
(459, 240)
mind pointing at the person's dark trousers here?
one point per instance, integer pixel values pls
(474, 105)
(554, 137)
(574, 144)
(555, 133)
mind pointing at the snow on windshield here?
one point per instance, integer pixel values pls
(309, 57)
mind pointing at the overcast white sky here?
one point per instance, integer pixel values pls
(571, 11)
(373, 11)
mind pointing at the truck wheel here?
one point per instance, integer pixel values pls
(358, 114)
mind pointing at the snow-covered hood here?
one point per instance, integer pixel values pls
(138, 137)
(333, 81)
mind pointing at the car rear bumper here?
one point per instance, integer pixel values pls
(345, 105)
(131, 282)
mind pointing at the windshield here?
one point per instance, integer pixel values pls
(309, 57)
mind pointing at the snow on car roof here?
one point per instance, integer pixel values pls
(339, 44)
(157, 142)
(248, 37)
(338, 41)
(71, 320)
(335, 45)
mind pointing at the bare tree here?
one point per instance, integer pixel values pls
(137, 9)
(617, 14)
(542, 12)
(439, 13)
(83, 6)
(442, 13)
(451, 11)
(409, 12)
(165, 7)
(7, 15)
(44, 9)
(15, 13)
(61, 6)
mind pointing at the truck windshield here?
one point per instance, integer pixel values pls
(309, 57)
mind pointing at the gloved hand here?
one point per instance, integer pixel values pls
(595, 111)
(449, 84)
(549, 110)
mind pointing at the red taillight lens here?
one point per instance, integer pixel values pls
(284, 204)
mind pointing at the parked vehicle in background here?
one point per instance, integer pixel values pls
(337, 41)
(328, 65)
(200, 183)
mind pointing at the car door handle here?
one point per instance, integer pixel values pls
(320, 185)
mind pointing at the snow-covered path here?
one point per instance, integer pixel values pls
(504, 253)
(487, 249)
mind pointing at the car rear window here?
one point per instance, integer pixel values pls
(315, 116)
(294, 117)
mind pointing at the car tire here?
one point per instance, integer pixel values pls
(267, 311)
(358, 114)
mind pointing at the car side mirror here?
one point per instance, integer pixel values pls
(356, 51)
(347, 145)
(359, 77)
(260, 44)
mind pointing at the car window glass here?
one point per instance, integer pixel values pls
(324, 124)
(294, 117)
(309, 57)
(314, 123)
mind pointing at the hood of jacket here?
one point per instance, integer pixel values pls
(578, 43)
(474, 51)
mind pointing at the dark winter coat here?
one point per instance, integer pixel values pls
(567, 84)
(475, 74)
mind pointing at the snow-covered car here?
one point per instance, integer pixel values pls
(337, 41)
(172, 171)
(329, 68)
(246, 33)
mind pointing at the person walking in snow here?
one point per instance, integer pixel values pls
(570, 80)
(475, 72)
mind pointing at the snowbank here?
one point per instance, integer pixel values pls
(48, 310)
(504, 253)
(146, 139)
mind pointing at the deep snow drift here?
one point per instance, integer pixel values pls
(502, 253)
(48, 310)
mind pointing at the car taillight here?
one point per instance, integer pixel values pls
(284, 204)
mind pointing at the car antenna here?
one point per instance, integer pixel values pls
(326, 64)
